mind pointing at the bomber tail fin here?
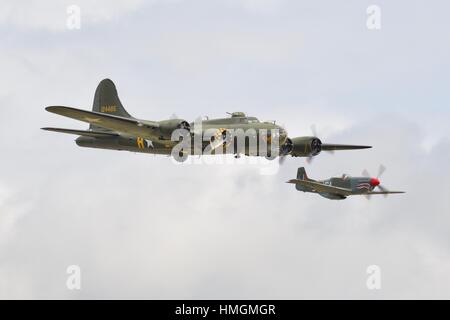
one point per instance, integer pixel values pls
(107, 101)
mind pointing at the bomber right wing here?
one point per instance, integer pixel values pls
(321, 188)
(337, 147)
(131, 126)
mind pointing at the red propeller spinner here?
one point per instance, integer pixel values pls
(374, 182)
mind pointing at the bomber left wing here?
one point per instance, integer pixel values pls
(85, 133)
(131, 126)
(321, 188)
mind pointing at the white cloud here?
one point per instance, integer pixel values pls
(52, 15)
(11, 210)
(264, 7)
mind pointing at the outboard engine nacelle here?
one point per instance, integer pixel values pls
(305, 146)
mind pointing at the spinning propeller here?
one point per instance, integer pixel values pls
(375, 182)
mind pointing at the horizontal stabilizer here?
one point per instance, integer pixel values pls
(336, 147)
(126, 125)
(85, 133)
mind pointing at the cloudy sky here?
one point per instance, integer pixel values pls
(141, 227)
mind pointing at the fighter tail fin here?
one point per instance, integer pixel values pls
(301, 174)
(107, 101)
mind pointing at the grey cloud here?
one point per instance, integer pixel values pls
(141, 227)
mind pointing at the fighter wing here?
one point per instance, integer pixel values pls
(321, 188)
(131, 126)
(384, 192)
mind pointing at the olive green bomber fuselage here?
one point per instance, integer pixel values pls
(250, 127)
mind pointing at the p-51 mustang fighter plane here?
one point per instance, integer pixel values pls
(340, 188)
(112, 127)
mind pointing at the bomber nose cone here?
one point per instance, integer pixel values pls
(374, 182)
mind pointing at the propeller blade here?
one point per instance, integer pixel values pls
(314, 130)
(219, 139)
(330, 147)
(381, 170)
(316, 134)
(281, 159)
(383, 189)
(335, 147)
